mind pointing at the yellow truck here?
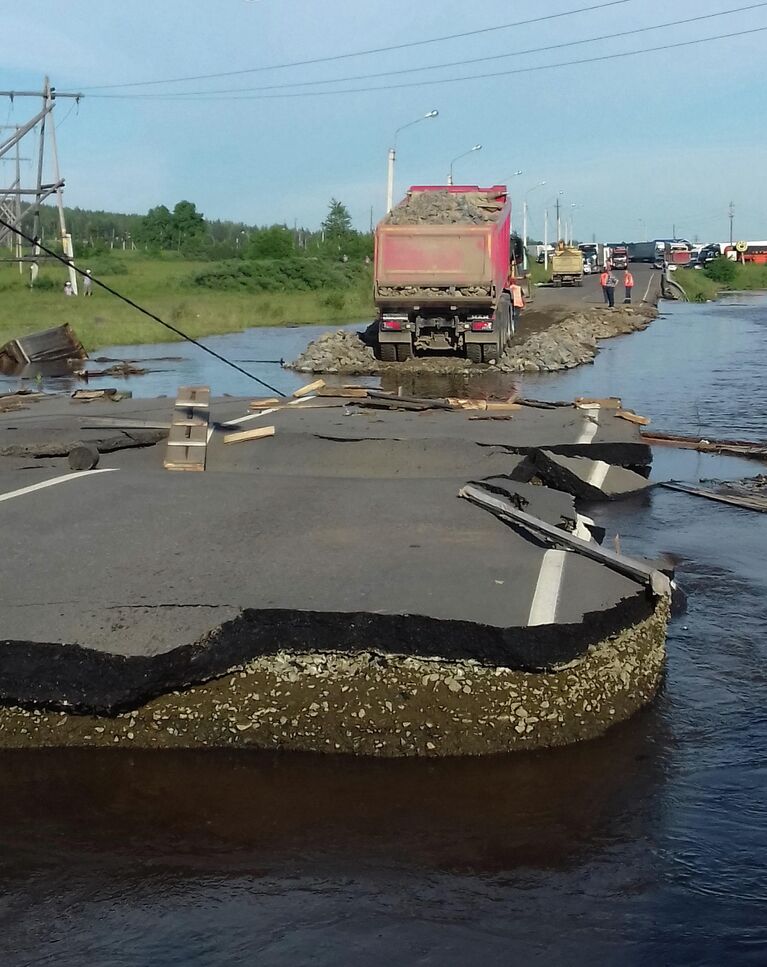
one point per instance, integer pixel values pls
(567, 266)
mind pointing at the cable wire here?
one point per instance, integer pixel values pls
(362, 53)
(432, 67)
(135, 305)
(457, 80)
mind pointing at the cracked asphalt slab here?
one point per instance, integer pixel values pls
(309, 539)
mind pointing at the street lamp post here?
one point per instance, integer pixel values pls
(524, 223)
(514, 174)
(393, 158)
(477, 147)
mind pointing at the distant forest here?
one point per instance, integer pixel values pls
(187, 231)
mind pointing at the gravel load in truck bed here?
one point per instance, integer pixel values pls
(434, 291)
(445, 208)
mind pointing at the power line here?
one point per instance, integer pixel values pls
(363, 53)
(456, 80)
(124, 298)
(461, 63)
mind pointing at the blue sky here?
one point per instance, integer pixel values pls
(639, 144)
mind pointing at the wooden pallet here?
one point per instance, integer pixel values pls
(187, 446)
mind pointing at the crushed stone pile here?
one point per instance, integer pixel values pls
(573, 341)
(563, 345)
(445, 208)
(434, 292)
(337, 352)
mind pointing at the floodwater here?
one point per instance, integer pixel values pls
(648, 846)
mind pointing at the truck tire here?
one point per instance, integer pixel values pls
(388, 352)
(491, 352)
(474, 351)
(404, 351)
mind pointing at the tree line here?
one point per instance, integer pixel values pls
(185, 230)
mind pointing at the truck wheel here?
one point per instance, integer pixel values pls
(491, 352)
(474, 352)
(388, 352)
(404, 351)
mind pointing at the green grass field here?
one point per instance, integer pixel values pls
(699, 287)
(162, 285)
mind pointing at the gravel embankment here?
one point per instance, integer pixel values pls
(568, 342)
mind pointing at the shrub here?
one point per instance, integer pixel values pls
(722, 270)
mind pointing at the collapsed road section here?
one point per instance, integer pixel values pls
(339, 578)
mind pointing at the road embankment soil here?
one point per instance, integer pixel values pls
(548, 340)
(560, 329)
(324, 589)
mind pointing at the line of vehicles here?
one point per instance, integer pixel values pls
(444, 270)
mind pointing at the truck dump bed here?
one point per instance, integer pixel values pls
(444, 245)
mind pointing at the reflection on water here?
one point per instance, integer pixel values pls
(644, 847)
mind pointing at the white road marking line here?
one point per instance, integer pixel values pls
(543, 610)
(251, 416)
(591, 424)
(210, 434)
(52, 483)
(598, 473)
(647, 290)
(302, 399)
(581, 529)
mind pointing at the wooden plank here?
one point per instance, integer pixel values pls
(605, 402)
(309, 388)
(187, 443)
(263, 404)
(503, 407)
(742, 448)
(259, 434)
(342, 392)
(633, 417)
(746, 502)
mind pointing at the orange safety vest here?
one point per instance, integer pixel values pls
(603, 279)
(517, 299)
(628, 280)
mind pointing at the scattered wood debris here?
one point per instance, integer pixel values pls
(48, 345)
(740, 448)
(605, 402)
(243, 435)
(633, 417)
(108, 393)
(318, 384)
(749, 494)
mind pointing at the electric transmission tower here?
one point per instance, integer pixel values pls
(20, 203)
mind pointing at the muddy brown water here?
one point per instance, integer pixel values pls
(646, 846)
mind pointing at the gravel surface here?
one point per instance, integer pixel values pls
(445, 208)
(566, 343)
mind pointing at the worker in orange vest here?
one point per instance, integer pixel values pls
(517, 302)
(628, 282)
(603, 282)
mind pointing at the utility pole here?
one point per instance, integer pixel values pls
(732, 218)
(546, 239)
(559, 223)
(42, 190)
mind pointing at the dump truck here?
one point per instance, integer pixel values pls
(441, 269)
(567, 266)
